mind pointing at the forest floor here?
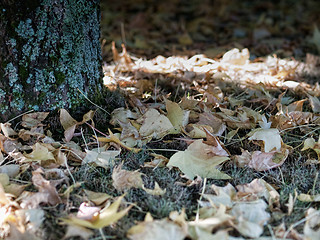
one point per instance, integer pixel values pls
(209, 130)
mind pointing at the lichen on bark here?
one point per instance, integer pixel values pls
(50, 50)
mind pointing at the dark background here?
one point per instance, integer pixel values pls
(149, 28)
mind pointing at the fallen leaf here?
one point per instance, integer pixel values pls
(47, 192)
(12, 170)
(271, 138)
(157, 230)
(101, 157)
(106, 217)
(154, 124)
(7, 130)
(315, 104)
(157, 191)
(12, 188)
(261, 188)
(236, 57)
(177, 116)
(311, 227)
(200, 159)
(250, 217)
(97, 198)
(124, 180)
(308, 198)
(87, 212)
(40, 153)
(32, 120)
(69, 124)
(310, 143)
(261, 161)
(115, 139)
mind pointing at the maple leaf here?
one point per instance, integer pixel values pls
(154, 124)
(200, 159)
(105, 217)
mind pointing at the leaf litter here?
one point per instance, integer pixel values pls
(190, 123)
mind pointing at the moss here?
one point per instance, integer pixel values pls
(23, 73)
(60, 77)
(57, 52)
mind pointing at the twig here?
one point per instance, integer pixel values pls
(20, 115)
(93, 102)
(202, 192)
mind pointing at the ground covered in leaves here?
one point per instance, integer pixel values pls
(222, 144)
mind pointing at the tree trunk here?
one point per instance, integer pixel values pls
(48, 50)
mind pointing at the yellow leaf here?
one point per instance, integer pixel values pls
(106, 217)
(115, 139)
(157, 191)
(39, 153)
(97, 197)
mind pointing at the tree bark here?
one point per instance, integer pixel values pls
(48, 50)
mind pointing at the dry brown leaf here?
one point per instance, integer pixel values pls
(261, 188)
(261, 161)
(12, 188)
(7, 130)
(177, 116)
(32, 120)
(250, 217)
(124, 180)
(154, 124)
(88, 213)
(101, 157)
(47, 192)
(97, 198)
(69, 124)
(16, 234)
(40, 153)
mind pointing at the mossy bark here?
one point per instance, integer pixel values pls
(48, 50)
